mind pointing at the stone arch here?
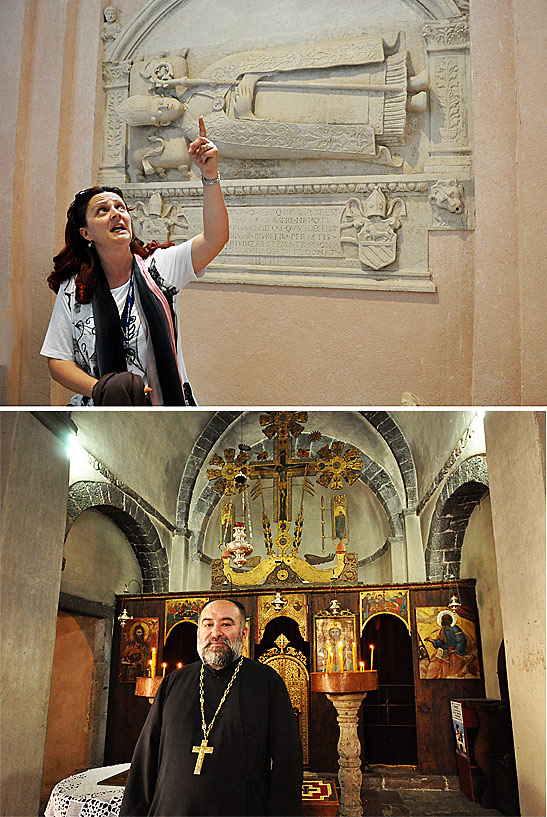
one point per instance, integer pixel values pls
(145, 20)
(199, 453)
(459, 496)
(132, 521)
(386, 426)
(372, 475)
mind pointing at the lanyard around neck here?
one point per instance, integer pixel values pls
(126, 315)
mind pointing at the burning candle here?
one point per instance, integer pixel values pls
(329, 660)
(354, 655)
(153, 663)
(341, 655)
(371, 656)
(150, 668)
(164, 667)
(179, 665)
(361, 666)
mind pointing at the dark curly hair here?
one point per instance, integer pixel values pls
(77, 258)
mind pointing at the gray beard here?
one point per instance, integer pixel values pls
(229, 654)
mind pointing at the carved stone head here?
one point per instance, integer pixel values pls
(110, 14)
(150, 110)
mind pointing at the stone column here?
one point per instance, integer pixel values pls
(447, 53)
(414, 547)
(399, 571)
(177, 562)
(35, 488)
(116, 89)
(349, 752)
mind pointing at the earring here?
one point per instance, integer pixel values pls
(90, 243)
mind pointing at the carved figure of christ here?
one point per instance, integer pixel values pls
(282, 469)
(201, 750)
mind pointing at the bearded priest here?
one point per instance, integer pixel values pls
(221, 737)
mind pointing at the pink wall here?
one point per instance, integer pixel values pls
(68, 737)
(278, 345)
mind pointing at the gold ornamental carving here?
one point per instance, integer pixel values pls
(226, 470)
(290, 664)
(331, 466)
(296, 608)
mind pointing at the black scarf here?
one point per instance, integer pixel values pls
(109, 341)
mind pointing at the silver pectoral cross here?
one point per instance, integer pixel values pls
(202, 750)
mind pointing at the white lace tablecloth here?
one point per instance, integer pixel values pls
(81, 796)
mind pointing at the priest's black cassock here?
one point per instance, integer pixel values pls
(256, 764)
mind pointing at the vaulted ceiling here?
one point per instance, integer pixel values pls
(148, 450)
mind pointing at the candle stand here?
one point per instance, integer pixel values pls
(346, 691)
(147, 687)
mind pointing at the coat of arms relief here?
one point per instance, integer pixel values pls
(338, 153)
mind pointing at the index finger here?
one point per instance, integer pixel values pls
(202, 131)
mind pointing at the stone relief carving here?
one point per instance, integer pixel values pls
(115, 78)
(111, 26)
(447, 49)
(370, 227)
(447, 200)
(159, 221)
(345, 100)
(452, 33)
(296, 126)
(161, 156)
(449, 94)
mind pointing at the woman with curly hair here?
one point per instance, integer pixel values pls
(112, 336)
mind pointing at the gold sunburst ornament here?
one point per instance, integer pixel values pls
(224, 475)
(335, 464)
(282, 424)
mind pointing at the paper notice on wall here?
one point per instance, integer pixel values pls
(459, 731)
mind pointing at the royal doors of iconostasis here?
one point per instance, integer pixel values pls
(283, 647)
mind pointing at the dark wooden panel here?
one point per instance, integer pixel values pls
(127, 712)
(436, 750)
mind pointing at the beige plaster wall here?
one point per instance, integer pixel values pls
(478, 562)
(99, 559)
(258, 345)
(54, 47)
(33, 522)
(12, 13)
(514, 445)
(531, 62)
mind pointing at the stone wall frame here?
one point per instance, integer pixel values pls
(291, 231)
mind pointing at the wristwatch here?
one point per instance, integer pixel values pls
(211, 181)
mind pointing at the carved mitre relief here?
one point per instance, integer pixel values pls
(158, 220)
(369, 227)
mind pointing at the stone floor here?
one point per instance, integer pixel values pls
(403, 791)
